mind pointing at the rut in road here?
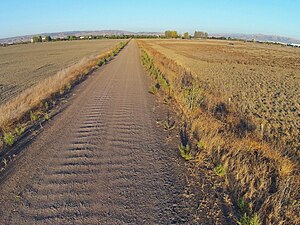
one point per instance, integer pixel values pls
(100, 161)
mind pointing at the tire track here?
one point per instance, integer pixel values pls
(101, 161)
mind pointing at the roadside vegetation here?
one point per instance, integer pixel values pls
(33, 105)
(262, 180)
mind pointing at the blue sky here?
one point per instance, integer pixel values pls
(279, 17)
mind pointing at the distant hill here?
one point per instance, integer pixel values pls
(260, 37)
(26, 38)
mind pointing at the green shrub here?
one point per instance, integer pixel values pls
(33, 117)
(220, 170)
(163, 82)
(249, 220)
(200, 144)
(100, 62)
(68, 86)
(19, 130)
(185, 151)
(46, 116)
(242, 205)
(46, 105)
(9, 138)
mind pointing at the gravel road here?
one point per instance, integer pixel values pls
(100, 161)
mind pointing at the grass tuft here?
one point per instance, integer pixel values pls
(185, 151)
(249, 220)
(9, 138)
(220, 170)
(19, 130)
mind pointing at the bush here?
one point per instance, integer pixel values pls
(19, 130)
(37, 39)
(9, 138)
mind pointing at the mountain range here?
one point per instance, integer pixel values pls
(260, 37)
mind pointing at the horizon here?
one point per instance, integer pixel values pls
(162, 32)
(276, 18)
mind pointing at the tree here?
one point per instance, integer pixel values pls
(48, 38)
(72, 37)
(171, 34)
(200, 34)
(186, 35)
(37, 39)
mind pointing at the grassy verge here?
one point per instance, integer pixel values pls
(264, 183)
(34, 103)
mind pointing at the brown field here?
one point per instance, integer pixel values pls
(23, 66)
(239, 109)
(262, 81)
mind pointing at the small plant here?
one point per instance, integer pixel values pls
(46, 116)
(242, 204)
(249, 220)
(9, 138)
(5, 162)
(193, 97)
(68, 86)
(100, 62)
(168, 125)
(153, 89)
(220, 170)
(33, 117)
(162, 81)
(200, 144)
(19, 130)
(185, 151)
(46, 105)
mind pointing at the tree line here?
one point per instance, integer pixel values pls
(36, 39)
(186, 35)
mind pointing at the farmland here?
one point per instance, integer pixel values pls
(239, 109)
(23, 66)
(261, 81)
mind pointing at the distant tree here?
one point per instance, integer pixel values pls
(200, 34)
(171, 34)
(48, 38)
(186, 35)
(37, 39)
(72, 37)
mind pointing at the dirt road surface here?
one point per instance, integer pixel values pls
(103, 160)
(100, 161)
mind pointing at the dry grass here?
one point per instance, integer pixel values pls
(256, 172)
(12, 111)
(23, 66)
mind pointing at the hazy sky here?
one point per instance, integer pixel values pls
(280, 17)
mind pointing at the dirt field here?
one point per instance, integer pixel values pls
(25, 65)
(262, 81)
